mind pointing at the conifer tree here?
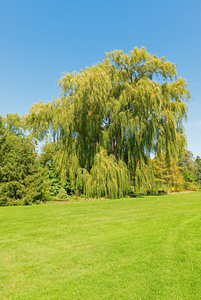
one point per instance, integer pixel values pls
(198, 170)
(21, 180)
(168, 176)
(62, 195)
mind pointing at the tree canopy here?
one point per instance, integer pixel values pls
(21, 180)
(130, 105)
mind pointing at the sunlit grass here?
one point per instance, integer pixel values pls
(142, 248)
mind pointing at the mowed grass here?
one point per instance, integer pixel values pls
(142, 248)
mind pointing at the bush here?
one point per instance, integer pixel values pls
(189, 186)
(62, 195)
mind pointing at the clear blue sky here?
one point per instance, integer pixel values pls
(40, 39)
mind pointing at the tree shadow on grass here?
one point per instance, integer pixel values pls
(142, 195)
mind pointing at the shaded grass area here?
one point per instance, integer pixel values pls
(141, 248)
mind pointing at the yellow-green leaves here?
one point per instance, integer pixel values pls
(108, 178)
(130, 105)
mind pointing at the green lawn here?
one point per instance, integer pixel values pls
(142, 248)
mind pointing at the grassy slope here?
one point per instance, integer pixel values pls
(144, 248)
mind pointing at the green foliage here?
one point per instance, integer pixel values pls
(62, 195)
(168, 176)
(108, 177)
(12, 124)
(188, 176)
(21, 180)
(190, 186)
(52, 180)
(190, 168)
(130, 105)
(187, 161)
(144, 179)
(198, 170)
(198, 160)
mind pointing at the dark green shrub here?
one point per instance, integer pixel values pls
(21, 178)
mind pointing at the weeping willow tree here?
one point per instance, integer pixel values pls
(131, 105)
(108, 177)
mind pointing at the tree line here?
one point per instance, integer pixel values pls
(101, 134)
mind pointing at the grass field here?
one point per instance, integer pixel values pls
(142, 248)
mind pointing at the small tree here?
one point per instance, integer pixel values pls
(62, 195)
(167, 176)
(198, 170)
